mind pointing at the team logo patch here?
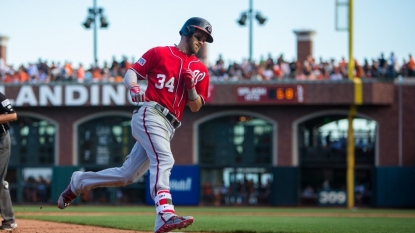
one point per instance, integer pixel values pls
(5, 102)
(141, 61)
(209, 28)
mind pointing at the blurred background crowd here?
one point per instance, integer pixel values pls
(383, 67)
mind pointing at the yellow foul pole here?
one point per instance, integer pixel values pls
(358, 99)
(350, 158)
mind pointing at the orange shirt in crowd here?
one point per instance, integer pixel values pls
(118, 79)
(80, 73)
(96, 74)
(21, 76)
(8, 78)
(411, 64)
(127, 65)
(68, 69)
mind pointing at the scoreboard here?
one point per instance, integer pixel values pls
(271, 94)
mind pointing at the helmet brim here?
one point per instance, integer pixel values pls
(209, 38)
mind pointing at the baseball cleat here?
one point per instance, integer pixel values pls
(176, 222)
(66, 198)
(8, 225)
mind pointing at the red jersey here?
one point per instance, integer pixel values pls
(163, 67)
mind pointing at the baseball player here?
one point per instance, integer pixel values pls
(7, 114)
(175, 78)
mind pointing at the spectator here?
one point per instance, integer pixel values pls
(265, 70)
(336, 75)
(114, 69)
(308, 192)
(125, 63)
(326, 185)
(269, 62)
(268, 72)
(299, 74)
(42, 189)
(382, 64)
(56, 71)
(224, 199)
(366, 69)
(403, 69)
(207, 193)
(67, 72)
(307, 70)
(343, 67)
(21, 76)
(33, 73)
(96, 73)
(328, 139)
(392, 63)
(293, 68)
(105, 73)
(216, 194)
(218, 70)
(88, 76)
(317, 73)
(375, 69)
(331, 65)
(8, 77)
(358, 69)
(114, 64)
(278, 73)
(410, 65)
(80, 74)
(43, 77)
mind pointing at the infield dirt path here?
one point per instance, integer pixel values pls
(35, 226)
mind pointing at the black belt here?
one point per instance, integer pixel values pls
(170, 117)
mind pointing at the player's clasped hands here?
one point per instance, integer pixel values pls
(136, 94)
(189, 79)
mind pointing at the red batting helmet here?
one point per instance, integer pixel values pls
(191, 24)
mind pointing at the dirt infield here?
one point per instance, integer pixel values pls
(35, 226)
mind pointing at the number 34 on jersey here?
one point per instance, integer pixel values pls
(163, 82)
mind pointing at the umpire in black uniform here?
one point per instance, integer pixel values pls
(7, 114)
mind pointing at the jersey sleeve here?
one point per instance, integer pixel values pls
(202, 85)
(5, 104)
(145, 64)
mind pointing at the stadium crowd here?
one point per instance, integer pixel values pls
(241, 193)
(382, 67)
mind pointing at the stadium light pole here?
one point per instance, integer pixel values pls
(249, 15)
(93, 14)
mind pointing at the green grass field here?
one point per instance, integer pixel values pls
(235, 219)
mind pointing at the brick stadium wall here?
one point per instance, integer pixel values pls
(380, 104)
(304, 49)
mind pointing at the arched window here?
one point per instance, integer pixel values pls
(32, 142)
(322, 150)
(326, 137)
(236, 150)
(104, 141)
(235, 140)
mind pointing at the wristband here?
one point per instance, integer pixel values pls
(192, 94)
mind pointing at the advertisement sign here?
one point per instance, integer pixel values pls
(332, 198)
(184, 186)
